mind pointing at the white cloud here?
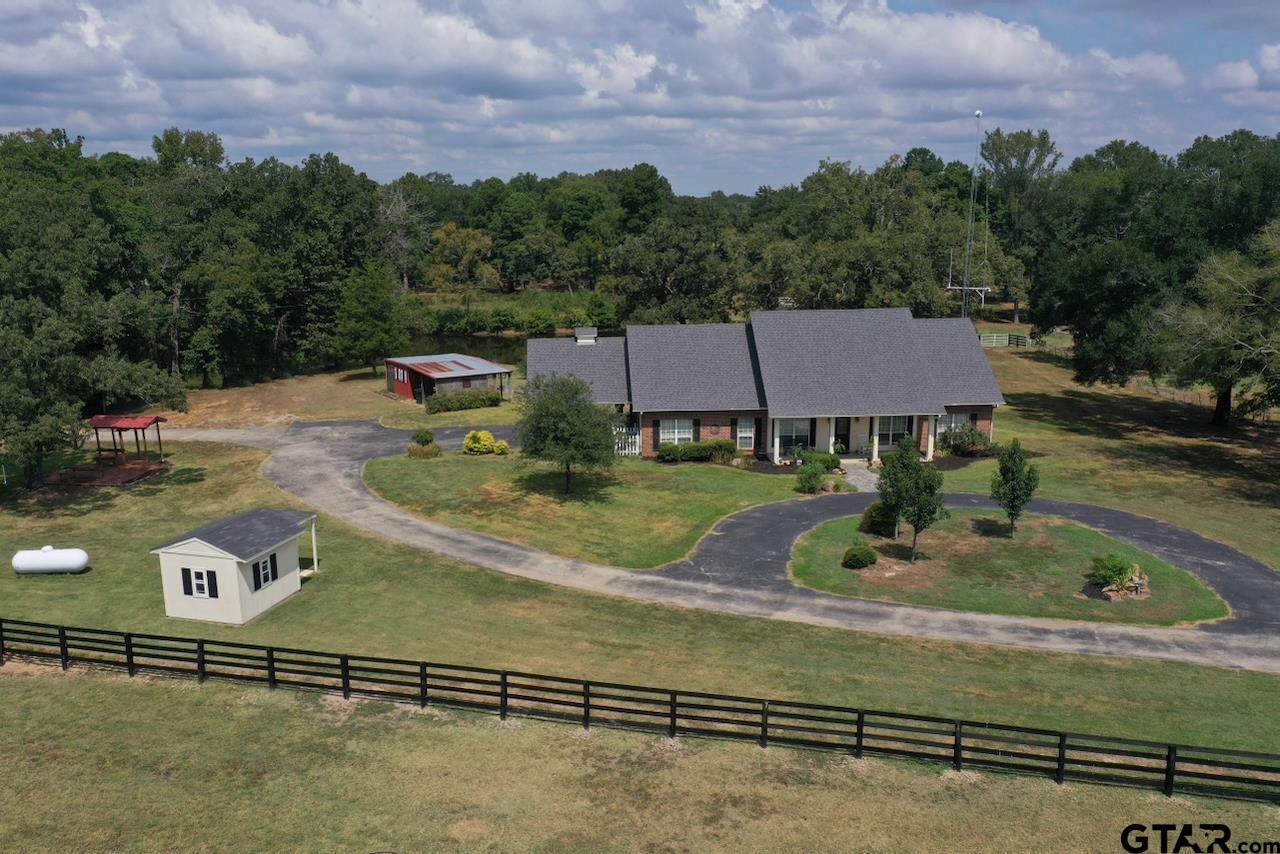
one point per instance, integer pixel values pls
(1231, 77)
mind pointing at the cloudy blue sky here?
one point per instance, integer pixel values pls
(719, 94)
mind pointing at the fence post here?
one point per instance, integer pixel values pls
(958, 748)
(502, 696)
(586, 705)
(1061, 775)
(62, 647)
(271, 668)
(764, 723)
(200, 660)
(857, 748)
(346, 678)
(1, 643)
(1170, 769)
(422, 685)
(129, 666)
(671, 724)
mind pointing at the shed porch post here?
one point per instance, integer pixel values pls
(315, 553)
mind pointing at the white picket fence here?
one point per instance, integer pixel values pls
(626, 441)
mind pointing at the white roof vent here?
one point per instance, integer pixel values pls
(585, 334)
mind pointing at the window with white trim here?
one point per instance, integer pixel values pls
(746, 435)
(199, 583)
(264, 572)
(793, 433)
(199, 586)
(675, 431)
(951, 421)
(893, 429)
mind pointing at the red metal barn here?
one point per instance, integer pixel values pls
(419, 377)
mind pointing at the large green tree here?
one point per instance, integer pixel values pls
(560, 424)
(369, 326)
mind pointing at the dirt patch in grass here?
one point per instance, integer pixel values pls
(970, 563)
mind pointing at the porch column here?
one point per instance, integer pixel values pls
(315, 553)
(930, 424)
(875, 438)
(777, 445)
(831, 435)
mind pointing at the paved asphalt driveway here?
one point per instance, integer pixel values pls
(740, 567)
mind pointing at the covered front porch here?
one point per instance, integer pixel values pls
(866, 436)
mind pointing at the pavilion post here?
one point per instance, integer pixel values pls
(159, 441)
(145, 452)
(97, 441)
(137, 446)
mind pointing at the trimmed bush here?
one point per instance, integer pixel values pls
(858, 556)
(473, 398)
(876, 520)
(810, 478)
(428, 451)
(480, 442)
(501, 448)
(966, 441)
(829, 462)
(423, 437)
(1111, 570)
(716, 451)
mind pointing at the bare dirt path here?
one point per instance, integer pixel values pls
(740, 567)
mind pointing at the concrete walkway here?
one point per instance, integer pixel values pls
(740, 566)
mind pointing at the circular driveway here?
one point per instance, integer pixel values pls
(740, 566)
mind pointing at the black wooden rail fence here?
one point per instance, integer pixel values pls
(962, 744)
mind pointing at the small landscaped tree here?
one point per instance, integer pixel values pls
(560, 424)
(911, 490)
(1014, 482)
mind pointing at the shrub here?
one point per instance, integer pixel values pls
(810, 478)
(540, 321)
(502, 318)
(966, 441)
(716, 451)
(423, 437)
(501, 448)
(452, 401)
(479, 442)
(858, 556)
(1112, 570)
(428, 451)
(877, 520)
(829, 462)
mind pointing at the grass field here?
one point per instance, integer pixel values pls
(99, 762)
(639, 514)
(1137, 452)
(321, 397)
(377, 598)
(969, 563)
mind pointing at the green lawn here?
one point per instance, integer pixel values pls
(97, 762)
(640, 514)
(969, 563)
(1135, 451)
(377, 598)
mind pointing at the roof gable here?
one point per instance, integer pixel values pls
(602, 364)
(706, 366)
(957, 364)
(248, 534)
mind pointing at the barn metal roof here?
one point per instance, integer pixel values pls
(249, 534)
(450, 365)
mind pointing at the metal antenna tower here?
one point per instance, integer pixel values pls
(967, 284)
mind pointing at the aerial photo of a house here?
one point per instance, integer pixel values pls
(854, 381)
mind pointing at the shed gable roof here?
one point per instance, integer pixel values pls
(248, 534)
(700, 366)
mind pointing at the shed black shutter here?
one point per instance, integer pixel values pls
(257, 576)
(759, 437)
(186, 581)
(657, 432)
(211, 579)
(274, 574)
(813, 433)
(733, 429)
(697, 429)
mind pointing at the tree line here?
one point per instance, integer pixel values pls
(123, 279)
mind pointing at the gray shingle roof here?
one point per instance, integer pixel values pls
(693, 367)
(602, 364)
(248, 534)
(957, 365)
(866, 362)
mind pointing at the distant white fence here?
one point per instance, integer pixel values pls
(626, 441)
(1004, 339)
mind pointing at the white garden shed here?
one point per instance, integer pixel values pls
(232, 570)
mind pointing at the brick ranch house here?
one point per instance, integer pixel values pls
(859, 379)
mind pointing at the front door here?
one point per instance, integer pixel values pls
(842, 435)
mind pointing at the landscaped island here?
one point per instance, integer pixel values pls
(637, 514)
(970, 563)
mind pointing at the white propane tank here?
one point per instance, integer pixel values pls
(49, 559)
